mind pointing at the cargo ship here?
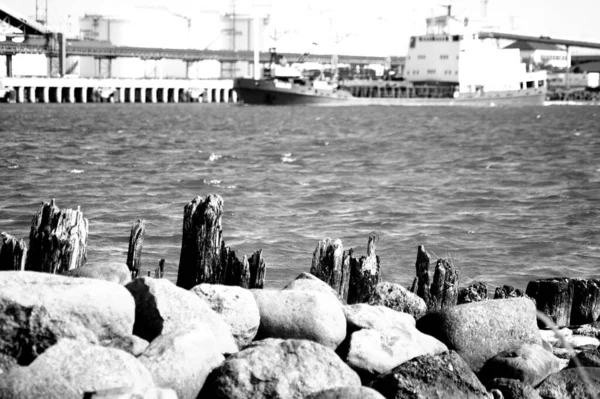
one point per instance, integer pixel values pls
(449, 65)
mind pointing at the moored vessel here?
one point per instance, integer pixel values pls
(448, 65)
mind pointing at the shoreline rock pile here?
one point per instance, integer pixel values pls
(94, 332)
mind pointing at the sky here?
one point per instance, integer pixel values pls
(365, 27)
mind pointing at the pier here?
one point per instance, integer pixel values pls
(80, 90)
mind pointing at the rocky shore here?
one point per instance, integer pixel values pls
(336, 332)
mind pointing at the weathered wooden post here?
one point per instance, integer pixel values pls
(329, 266)
(13, 253)
(201, 242)
(422, 280)
(136, 242)
(58, 240)
(258, 270)
(204, 256)
(236, 271)
(444, 287)
(364, 274)
(160, 269)
(439, 291)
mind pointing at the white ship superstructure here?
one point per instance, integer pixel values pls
(451, 54)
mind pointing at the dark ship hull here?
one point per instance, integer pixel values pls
(274, 92)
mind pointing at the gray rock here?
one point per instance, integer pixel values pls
(476, 292)
(587, 358)
(181, 360)
(588, 330)
(38, 309)
(114, 272)
(396, 297)
(7, 363)
(35, 383)
(131, 344)
(347, 393)
(480, 330)
(236, 305)
(431, 377)
(577, 383)
(161, 307)
(374, 352)
(380, 318)
(79, 367)
(308, 282)
(513, 389)
(277, 368)
(311, 315)
(528, 363)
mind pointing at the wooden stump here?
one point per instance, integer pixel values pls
(136, 242)
(554, 298)
(444, 286)
(422, 280)
(13, 253)
(586, 301)
(258, 270)
(58, 240)
(328, 265)
(201, 242)
(439, 291)
(236, 271)
(204, 256)
(160, 269)
(364, 274)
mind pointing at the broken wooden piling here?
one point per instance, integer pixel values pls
(13, 253)
(58, 240)
(201, 242)
(439, 291)
(204, 256)
(364, 274)
(136, 242)
(329, 266)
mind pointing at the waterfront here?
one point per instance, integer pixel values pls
(509, 194)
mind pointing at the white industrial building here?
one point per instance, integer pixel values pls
(162, 28)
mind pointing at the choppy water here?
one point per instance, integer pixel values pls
(508, 194)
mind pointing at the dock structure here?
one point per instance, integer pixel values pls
(80, 90)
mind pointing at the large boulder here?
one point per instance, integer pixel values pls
(114, 272)
(311, 315)
(236, 305)
(577, 383)
(480, 330)
(75, 366)
(380, 318)
(38, 309)
(276, 368)
(513, 389)
(34, 383)
(431, 377)
(529, 363)
(373, 352)
(161, 307)
(395, 296)
(309, 282)
(347, 393)
(182, 359)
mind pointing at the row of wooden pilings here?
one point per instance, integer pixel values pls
(58, 242)
(82, 94)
